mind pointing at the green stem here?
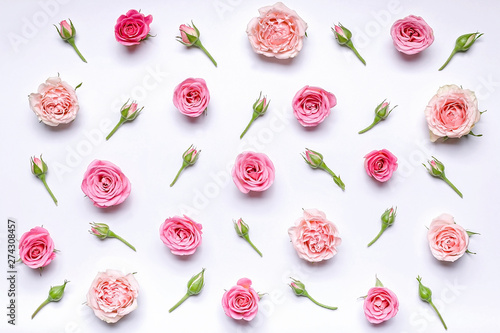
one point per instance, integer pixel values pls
(115, 129)
(42, 178)
(254, 247)
(351, 46)
(452, 186)
(254, 116)
(112, 234)
(198, 43)
(336, 179)
(40, 307)
(449, 58)
(185, 297)
(72, 43)
(322, 305)
(178, 173)
(375, 122)
(377, 237)
(441, 318)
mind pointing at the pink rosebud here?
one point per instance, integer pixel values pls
(188, 31)
(39, 168)
(380, 164)
(191, 155)
(66, 30)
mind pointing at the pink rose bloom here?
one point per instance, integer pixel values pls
(132, 28)
(253, 172)
(447, 240)
(311, 105)
(277, 32)
(36, 248)
(314, 237)
(411, 35)
(191, 97)
(380, 304)
(380, 164)
(105, 184)
(452, 112)
(113, 295)
(181, 235)
(241, 301)
(55, 102)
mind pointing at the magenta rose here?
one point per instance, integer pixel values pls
(181, 235)
(311, 105)
(132, 28)
(113, 295)
(314, 237)
(411, 35)
(452, 112)
(380, 164)
(241, 301)
(278, 32)
(380, 304)
(55, 102)
(191, 97)
(447, 240)
(253, 172)
(105, 184)
(36, 248)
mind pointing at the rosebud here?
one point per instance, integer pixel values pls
(38, 166)
(343, 37)
(196, 283)
(99, 230)
(241, 228)
(382, 110)
(436, 167)
(298, 287)
(260, 106)
(462, 44)
(57, 292)
(129, 111)
(191, 155)
(388, 216)
(67, 32)
(313, 158)
(189, 35)
(424, 293)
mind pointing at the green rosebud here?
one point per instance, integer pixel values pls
(191, 155)
(313, 158)
(342, 34)
(196, 283)
(100, 230)
(298, 287)
(38, 166)
(464, 42)
(129, 111)
(389, 216)
(436, 168)
(57, 292)
(261, 104)
(241, 227)
(424, 292)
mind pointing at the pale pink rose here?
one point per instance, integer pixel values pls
(191, 97)
(36, 248)
(55, 102)
(411, 35)
(181, 235)
(447, 240)
(452, 112)
(132, 28)
(380, 304)
(314, 237)
(241, 301)
(253, 172)
(105, 184)
(113, 295)
(380, 164)
(311, 105)
(277, 32)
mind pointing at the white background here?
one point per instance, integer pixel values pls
(149, 150)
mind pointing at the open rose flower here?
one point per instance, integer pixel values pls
(447, 240)
(191, 97)
(452, 112)
(55, 102)
(314, 237)
(105, 184)
(132, 28)
(411, 35)
(241, 301)
(380, 164)
(278, 32)
(113, 295)
(311, 105)
(36, 248)
(181, 235)
(380, 304)
(253, 172)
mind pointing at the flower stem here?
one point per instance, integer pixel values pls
(452, 186)
(377, 237)
(198, 43)
(112, 234)
(336, 178)
(40, 307)
(351, 46)
(375, 122)
(322, 305)
(115, 129)
(254, 116)
(449, 58)
(254, 247)
(185, 297)
(42, 178)
(72, 43)
(178, 173)
(441, 318)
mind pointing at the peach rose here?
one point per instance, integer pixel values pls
(113, 295)
(253, 172)
(36, 248)
(191, 97)
(181, 235)
(380, 164)
(311, 105)
(241, 301)
(411, 35)
(132, 28)
(314, 237)
(55, 102)
(447, 240)
(380, 304)
(278, 32)
(452, 112)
